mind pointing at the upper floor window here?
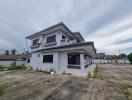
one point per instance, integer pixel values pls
(51, 39)
(36, 41)
(63, 37)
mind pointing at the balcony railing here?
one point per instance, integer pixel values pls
(35, 46)
(64, 41)
(50, 44)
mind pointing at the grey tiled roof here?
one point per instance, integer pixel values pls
(12, 57)
(70, 45)
(74, 34)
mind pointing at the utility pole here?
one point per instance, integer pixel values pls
(27, 45)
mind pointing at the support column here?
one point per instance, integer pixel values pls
(82, 62)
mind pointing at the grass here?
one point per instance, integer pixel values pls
(13, 67)
(94, 73)
(127, 89)
(3, 86)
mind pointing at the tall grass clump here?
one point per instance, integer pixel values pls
(94, 73)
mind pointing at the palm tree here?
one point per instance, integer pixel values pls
(6, 52)
(13, 51)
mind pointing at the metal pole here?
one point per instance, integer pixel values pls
(27, 45)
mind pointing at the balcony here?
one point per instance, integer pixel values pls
(64, 41)
(50, 44)
(35, 46)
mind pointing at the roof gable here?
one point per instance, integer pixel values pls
(57, 27)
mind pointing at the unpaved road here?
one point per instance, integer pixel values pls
(30, 85)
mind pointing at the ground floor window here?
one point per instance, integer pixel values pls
(28, 60)
(74, 60)
(48, 58)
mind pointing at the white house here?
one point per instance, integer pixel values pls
(58, 48)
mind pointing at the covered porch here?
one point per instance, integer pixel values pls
(78, 60)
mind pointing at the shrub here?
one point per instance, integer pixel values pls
(3, 86)
(2, 68)
(127, 89)
(130, 57)
(93, 74)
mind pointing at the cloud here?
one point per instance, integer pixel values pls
(106, 22)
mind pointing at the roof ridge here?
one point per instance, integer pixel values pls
(46, 29)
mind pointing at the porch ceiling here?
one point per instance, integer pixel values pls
(87, 49)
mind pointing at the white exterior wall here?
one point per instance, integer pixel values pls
(60, 62)
(63, 62)
(8, 63)
(103, 61)
(42, 40)
(37, 62)
(20, 62)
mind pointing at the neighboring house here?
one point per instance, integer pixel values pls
(58, 48)
(7, 60)
(100, 56)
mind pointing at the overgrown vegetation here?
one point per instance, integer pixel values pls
(127, 89)
(130, 57)
(13, 67)
(3, 86)
(94, 73)
(2, 68)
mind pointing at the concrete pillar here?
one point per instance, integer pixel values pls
(82, 61)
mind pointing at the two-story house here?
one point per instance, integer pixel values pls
(58, 48)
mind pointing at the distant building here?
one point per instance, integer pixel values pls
(100, 55)
(7, 60)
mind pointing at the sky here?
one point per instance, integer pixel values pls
(106, 22)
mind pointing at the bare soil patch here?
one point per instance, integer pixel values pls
(32, 85)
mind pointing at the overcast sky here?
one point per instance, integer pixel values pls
(106, 22)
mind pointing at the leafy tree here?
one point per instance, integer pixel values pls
(6, 52)
(130, 57)
(13, 51)
(123, 55)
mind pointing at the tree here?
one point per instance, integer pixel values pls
(13, 51)
(130, 57)
(123, 55)
(6, 52)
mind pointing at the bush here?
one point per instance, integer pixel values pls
(94, 73)
(130, 57)
(2, 68)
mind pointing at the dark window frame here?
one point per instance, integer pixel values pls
(35, 42)
(63, 37)
(74, 61)
(28, 60)
(51, 39)
(48, 58)
(74, 58)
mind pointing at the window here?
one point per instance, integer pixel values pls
(51, 39)
(36, 42)
(74, 61)
(63, 37)
(48, 58)
(28, 60)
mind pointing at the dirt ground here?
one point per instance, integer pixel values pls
(30, 85)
